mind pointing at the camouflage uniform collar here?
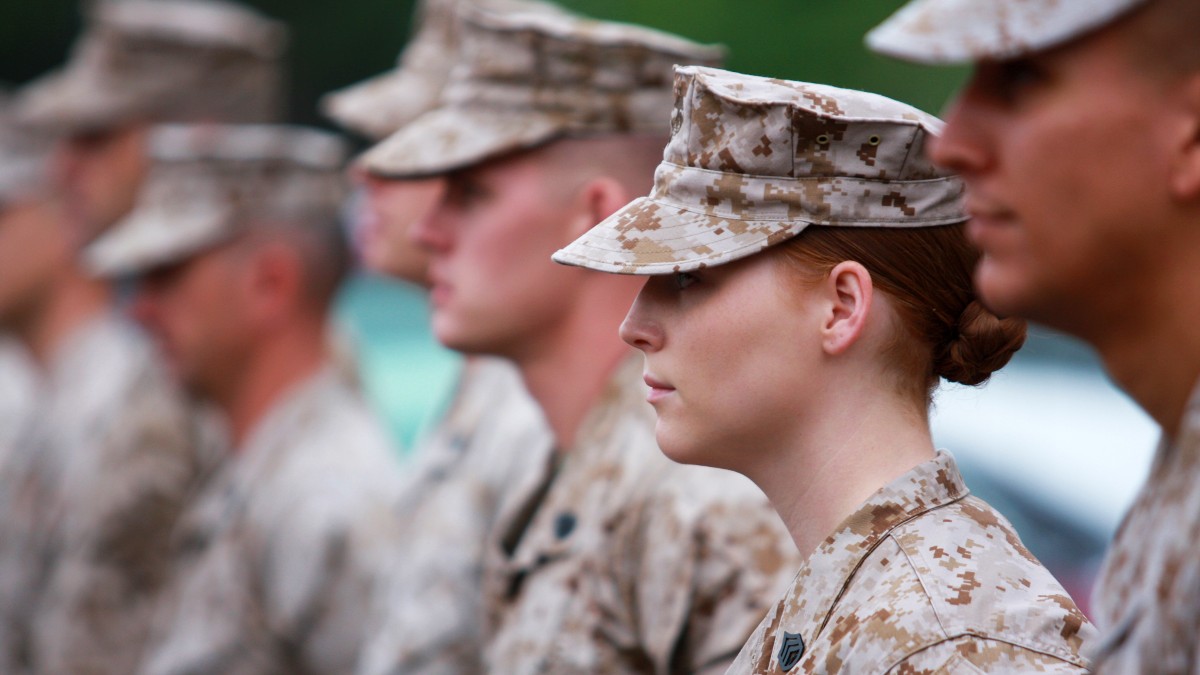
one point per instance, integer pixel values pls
(928, 486)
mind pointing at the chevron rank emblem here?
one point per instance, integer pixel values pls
(790, 651)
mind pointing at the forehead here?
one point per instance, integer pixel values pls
(193, 271)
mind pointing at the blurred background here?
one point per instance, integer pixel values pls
(1050, 441)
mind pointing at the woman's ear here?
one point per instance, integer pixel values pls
(849, 292)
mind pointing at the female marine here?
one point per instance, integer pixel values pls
(810, 282)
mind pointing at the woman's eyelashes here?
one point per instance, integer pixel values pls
(681, 280)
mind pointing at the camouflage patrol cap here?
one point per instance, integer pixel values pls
(209, 182)
(163, 61)
(526, 78)
(753, 161)
(24, 158)
(956, 31)
(379, 106)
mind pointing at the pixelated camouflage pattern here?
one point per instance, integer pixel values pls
(613, 559)
(525, 78)
(431, 612)
(753, 161)
(278, 557)
(88, 501)
(165, 61)
(209, 182)
(957, 31)
(24, 158)
(923, 578)
(1148, 597)
(379, 106)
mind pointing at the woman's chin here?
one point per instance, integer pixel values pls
(688, 451)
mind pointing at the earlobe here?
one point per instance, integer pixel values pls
(850, 293)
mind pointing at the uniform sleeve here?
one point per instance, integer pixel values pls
(709, 573)
(975, 655)
(115, 535)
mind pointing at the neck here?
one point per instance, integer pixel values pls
(840, 457)
(1158, 369)
(74, 300)
(1151, 347)
(569, 375)
(280, 363)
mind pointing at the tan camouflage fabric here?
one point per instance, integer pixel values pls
(613, 559)
(753, 161)
(209, 182)
(1148, 598)
(525, 78)
(922, 578)
(110, 459)
(164, 61)
(278, 558)
(957, 31)
(431, 612)
(24, 158)
(379, 106)
(16, 395)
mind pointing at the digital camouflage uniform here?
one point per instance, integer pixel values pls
(1148, 596)
(89, 499)
(922, 578)
(613, 559)
(278, 558)
(431, 610)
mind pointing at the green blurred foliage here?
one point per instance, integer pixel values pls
(337, 42)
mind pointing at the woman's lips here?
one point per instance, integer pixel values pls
(658, 389)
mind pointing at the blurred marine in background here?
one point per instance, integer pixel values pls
(115, 452)
(238, 253)
(606, 557)
(429, 616)
(1078, 136)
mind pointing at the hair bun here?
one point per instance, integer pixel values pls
(983, 344)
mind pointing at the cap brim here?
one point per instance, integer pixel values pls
(963, 31)
(150, 239)
(381, 105)
(452, 138)
(650, 237)
(71, 101)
